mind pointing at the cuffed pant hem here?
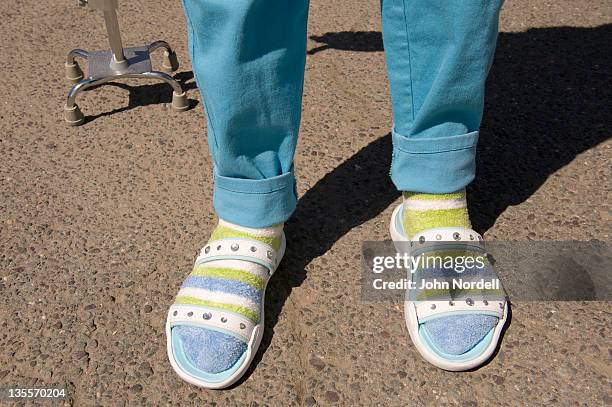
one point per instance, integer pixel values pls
(433, 165)
(255, 203)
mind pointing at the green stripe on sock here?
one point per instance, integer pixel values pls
(434, 197)
(417, 221)
(224, 232)
(248, 313)
(229, 274)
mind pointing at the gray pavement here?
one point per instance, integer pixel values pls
(100, 224)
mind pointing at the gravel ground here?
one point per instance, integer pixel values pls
(100, 224)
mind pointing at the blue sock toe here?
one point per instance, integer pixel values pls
(457, 334)
(210, 351)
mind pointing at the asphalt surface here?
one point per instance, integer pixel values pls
(100, 224)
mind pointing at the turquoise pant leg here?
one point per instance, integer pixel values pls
(438, 56)
(248, 58)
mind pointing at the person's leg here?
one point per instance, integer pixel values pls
(438, 55)
(248, 57)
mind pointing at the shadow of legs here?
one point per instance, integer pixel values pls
(545, 104)
(323, 215)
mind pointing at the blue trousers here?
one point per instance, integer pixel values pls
(248, 58)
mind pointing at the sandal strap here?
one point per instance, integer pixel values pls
(240, 249)
(428, 309)
(446, 238)
(464, 236)
(206, 317)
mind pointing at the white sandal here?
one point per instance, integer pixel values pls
(221, 320)
(418, 312)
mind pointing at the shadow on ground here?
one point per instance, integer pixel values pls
(144, 95)
(545, 104)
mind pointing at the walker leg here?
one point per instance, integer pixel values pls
(72, 112)
(180, 102)
(170, 61)
(73, 71)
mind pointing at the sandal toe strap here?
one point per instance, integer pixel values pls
(428, 309)
(206, 317)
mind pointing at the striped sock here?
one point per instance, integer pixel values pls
(229, 285)
(429, 211)
(454, 334)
